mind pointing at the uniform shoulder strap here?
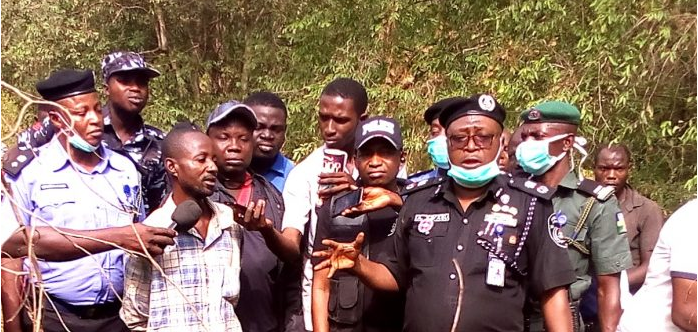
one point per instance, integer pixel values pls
(17, 160)
(417, 186)
(596, 189)
(531, 187)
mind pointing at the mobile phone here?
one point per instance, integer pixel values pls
(239, 211)
(346, 200)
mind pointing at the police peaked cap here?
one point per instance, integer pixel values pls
(66, 83)
(477, 104)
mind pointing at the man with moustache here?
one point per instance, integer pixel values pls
(341, 302)
(270, 135)
(126, 84)
(268, 287)
(195, 284)
(468, 247)
(78, 183)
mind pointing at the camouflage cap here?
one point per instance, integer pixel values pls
(125, 61)
(552, 111)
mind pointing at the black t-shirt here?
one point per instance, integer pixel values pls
(380, 310)
(432, 231)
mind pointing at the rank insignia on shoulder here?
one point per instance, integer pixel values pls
(531, 187)
(596, 189)
(416, 186)
(17, 159)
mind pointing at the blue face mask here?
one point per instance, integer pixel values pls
(81, 144)
(438, 151)
(533, 156)
(476, 177)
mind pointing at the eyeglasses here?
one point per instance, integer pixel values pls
(480, 141)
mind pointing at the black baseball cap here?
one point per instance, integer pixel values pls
(378, 126)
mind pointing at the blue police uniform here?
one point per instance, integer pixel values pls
(52, 190)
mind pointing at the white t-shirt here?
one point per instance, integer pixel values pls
(300, 199)
(673, 256)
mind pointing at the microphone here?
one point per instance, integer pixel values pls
(185, 216)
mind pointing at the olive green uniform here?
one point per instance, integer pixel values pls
(600, 243)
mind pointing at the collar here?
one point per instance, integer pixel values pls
(570, 181)
(57, 158)
(632, 198)
(279, 164)
(220, 220)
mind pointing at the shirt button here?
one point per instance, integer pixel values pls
(429, 240)
(459, 247)
(465, 221)
(452, 276)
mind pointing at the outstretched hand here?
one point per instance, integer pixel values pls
(253, 218)
(339, 256)
(374, 199)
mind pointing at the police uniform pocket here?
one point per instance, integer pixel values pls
(59, 209)
(423, 243)
(345, 305)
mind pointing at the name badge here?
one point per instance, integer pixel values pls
(495, 272)
(499, 218)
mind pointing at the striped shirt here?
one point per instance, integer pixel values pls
(201, 280)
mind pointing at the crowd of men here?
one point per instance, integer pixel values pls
(114, 225)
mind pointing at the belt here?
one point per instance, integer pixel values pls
(94, 311)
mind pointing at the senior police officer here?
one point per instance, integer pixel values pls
(78, 183)
(126, 77)
(470, 246)
(592, 225)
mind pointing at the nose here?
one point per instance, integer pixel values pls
(331, 129)
(234, 146)
(612, 175)
(375, 161)
(266, 134)
(211, 167)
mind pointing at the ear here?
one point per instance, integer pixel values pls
(171, 167)
(56, 119)
(105, 88)
(567, 143)
(403, 157)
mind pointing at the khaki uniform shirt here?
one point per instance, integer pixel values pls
(644, 220)
(604, 234)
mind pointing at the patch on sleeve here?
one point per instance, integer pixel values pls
(620, 223)
(555, 223)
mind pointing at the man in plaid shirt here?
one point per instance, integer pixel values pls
(196, 281)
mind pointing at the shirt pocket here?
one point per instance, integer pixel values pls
(56, 207)
(423, 247)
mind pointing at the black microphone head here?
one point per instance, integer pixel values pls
(186, 215)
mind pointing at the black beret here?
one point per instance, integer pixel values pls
(66, 83)
(477, 104)
(435, 109)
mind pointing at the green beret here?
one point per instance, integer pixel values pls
(552, 111)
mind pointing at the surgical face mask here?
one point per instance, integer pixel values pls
(476, 177)
(438, 151)
(75, 139)
(81, 144)
(534, 156)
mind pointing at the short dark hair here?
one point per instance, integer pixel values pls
(174, 140)
(350, 89)
(613, 147)
(266, 98)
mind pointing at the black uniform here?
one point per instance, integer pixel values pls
(433, 230)
(353, 306)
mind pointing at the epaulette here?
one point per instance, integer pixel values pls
(420, 173)
(531, 187)
(417, 186)
(596, 189)
(16, 160)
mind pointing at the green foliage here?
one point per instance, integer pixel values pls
(630, 66)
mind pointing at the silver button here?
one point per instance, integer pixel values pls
(452, 276)
(465, 221)
(429, 240)
(459, 247)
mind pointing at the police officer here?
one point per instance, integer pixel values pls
(78, 183)
(126, 83)
(436, 145)
(342, 303)
(593, 229)
(470, 246)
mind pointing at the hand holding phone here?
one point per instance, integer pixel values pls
(346, 201)
(252, 216)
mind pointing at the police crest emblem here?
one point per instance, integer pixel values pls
(555, 223)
